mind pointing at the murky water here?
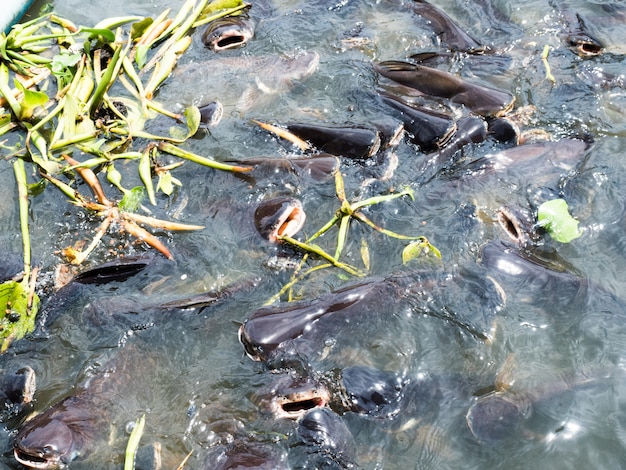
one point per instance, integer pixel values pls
(192, 379)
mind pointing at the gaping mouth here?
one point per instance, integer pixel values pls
(229, 40)
(293, 407)
(281, 217)
(291, 223)
(34, 461)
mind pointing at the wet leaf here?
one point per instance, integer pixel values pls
(132, 199)
(30, 100)
(419, 248)
(133, 443)
(554, 216)
(17, 318)
(102, 34)
(145, 173)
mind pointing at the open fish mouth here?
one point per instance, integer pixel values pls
(34, 461)
(229, 40)
(297, 405)
(280, 217)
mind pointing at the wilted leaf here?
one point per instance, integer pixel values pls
(554, 216)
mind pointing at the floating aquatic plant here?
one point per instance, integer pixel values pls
(80, 113)
(554, 216)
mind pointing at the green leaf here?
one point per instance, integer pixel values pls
(132, 199)
(138, 28)
(145, 173)
(554, 216)
(17, 319)
(102, 34)
(419, 248)
(133, 443)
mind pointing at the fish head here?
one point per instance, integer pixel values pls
(291, 396)
(278, 217)
(48, 444)
(228, 33)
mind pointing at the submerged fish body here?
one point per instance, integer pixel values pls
(74, 427)
(239, 83)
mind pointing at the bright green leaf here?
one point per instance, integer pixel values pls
(132, 199)
(554, 216)
(17, 319)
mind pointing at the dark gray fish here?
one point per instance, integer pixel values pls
(519, 224)
(533, 279)
(323, 440)
(480, 99)
(277, 217)
(318, 167)
(468, 130)
(291, 395)
(271, 328)
(74, 427)
(211, 114)
(427, 129)
(16, 391)
(576, 35)
(372, 392)
(248, 454)
(228, 33)
(350, 141)
(446, 29)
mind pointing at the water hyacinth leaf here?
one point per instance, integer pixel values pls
(138, 28)
(554, 216)
(193, 118)
(421, 247)
(102, 34)
(145, 173)
(17, 317)
(6, 91)
(105, 81)
(30, 100)
(115, 22)
(132, 199)
(166, 183)
(133, 443)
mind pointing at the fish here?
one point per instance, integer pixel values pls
(73, 428)
(498, 413)
(446, 29)
(428, 129)
(239, 83)
(17, 390)
(228, 33)
(291, 395)
(317, 167)
(576, 35)
(269, 330)
(349, 141)
(323, 440)
(278, 217)
(372, 392)
(480, 99)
